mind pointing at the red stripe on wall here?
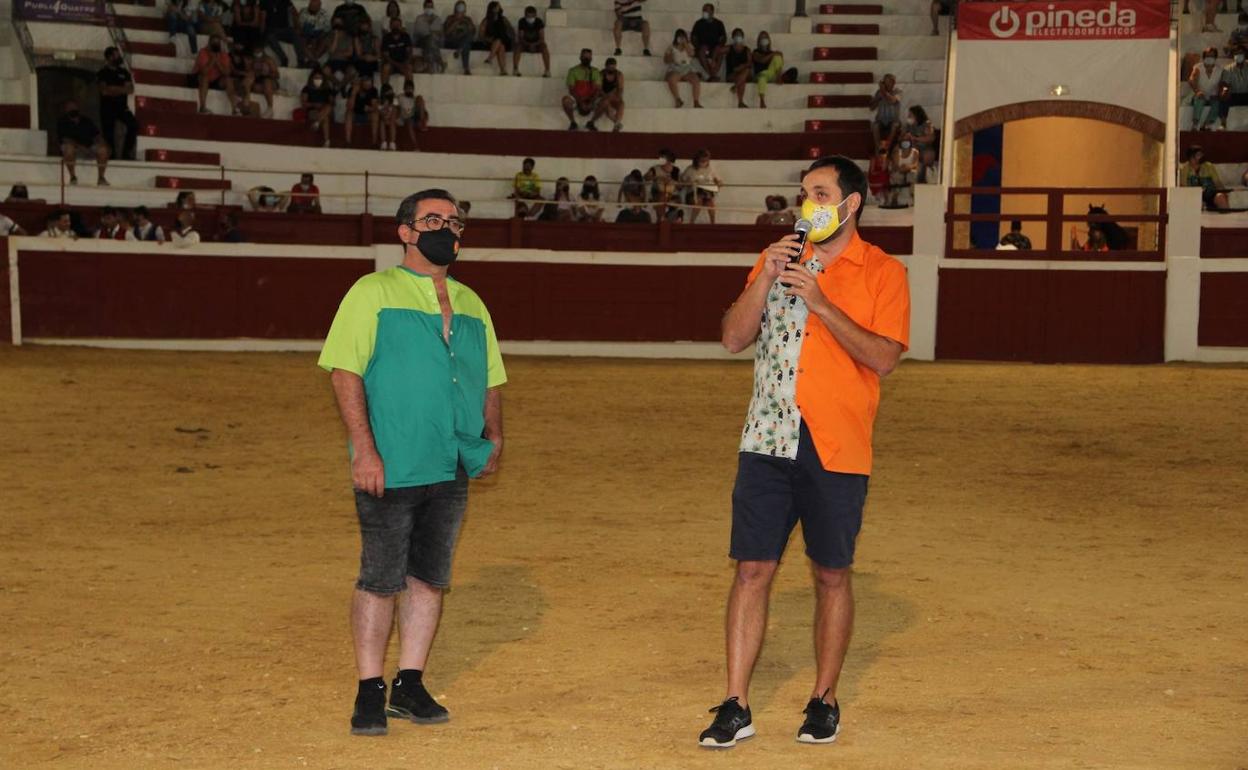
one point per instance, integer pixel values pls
(6, 328)
(1223, 241)
(1051, 316)
(1223, 310)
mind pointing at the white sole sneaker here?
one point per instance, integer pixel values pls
(808, 738)
(742, 734)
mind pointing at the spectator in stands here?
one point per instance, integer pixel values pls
(211, 18)
(702, 181)
(633, 188)
(351, 13)
(76, 134)
(110, 228)
(584, 83)
(18, 194)
(305, 197)
(531, 38)
(144, 228)
(1234, 87)
(1198, 172)
(388, 117)
(589, 206)
(767, 66)
(663, 177)
(877, 174)
(341, 48)
(946, 8)
(628, 19)
(396, 52)
(777, 212)
(710, 42)
(903, 167)
(918, 129)
(459, 32)
(367, 51)
(262, 77)
(412, 113)
(635, 213)
(280, 19)
(1211, 15)
(740, 61)
(679, 61)
(214, 70)
(886, 104)
(527, 185)
(248, 25)
(560, 209)
(1096, 240)
(1205, 81)
(428, 35)
(317, 100)
(314, 28)
(1015, 238)
(1238, 41)
(227, 229)
(929, 167)
(182, 17)
(58, 225)
(612, 102)
(393, 11)
(9, 227)
(116, 85)
(363, 106)
(267, 200)
(497, 34)
(184, 233)
(184, 200)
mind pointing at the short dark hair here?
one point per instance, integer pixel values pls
(849, 177)
(140, 211)
(532, 8)
(1192, 151)
(112, 49)
(107, 210)
(1016, 224)
(528, 161)
(407, 209)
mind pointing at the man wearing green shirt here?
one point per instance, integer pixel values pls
(584, 83)
(416, 371)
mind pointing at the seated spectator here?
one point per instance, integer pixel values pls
(767, 66)
(76, 134)
(589, 206)
(903, 167)
(700, 178)
(341, 48)
(185, 200)
(428, 35)
(628, 19)
(612, 102)
(388, 118)
(396, 52)
(115, 85)
(560, 210)
(305, 197)
(1205, 81)
(9, 227)
(212, 18)
(280, 20)
(459, 32)
(363, 106)
(679, 61)
(929, 167)
(1211, 16)
(1096, 240)
(367, 59)
(110, 228)
(184, 233)
(531, 38)
(227, 229)
(1195, 171)
(18, 193)
(393, 11)
(633, 188)
(247, 28)
(1238, 41)
(144, 229)
(1234, 87)
(527, 185)
(265, 199)
(317, 100)
(777, 212)
(262, 77)
(740, 65)
(918, 129)
(58, 225)
(886, 104)
(497, 34)
(214, 69)
(663, 177)
(877, 174)
(710, 42)
(584, 83)
(1015, 238)
(412, 113)
(351, 13)
(182, 17)
(313, 29)
(635, 214)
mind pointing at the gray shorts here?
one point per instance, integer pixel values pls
(410, 531)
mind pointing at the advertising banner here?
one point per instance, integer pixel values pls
(1064, 20)
(77, 11)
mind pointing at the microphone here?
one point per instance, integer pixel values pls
(802, 228)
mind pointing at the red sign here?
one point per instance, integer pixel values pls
(1065, 20)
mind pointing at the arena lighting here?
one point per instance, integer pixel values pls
(1059, 90)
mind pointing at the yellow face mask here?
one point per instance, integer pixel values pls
(826, 220)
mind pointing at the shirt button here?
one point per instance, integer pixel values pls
(452, 355)
(453, 379)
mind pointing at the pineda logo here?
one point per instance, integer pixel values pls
(1052, 21)
(1069, 20)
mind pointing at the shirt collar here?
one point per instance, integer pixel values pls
(855, 251)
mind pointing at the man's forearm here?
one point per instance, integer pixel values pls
(353, 407)
(494, 414)
(873, 351)
(741, 322)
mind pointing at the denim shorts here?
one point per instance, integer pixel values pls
(410, 531)
(772, 494)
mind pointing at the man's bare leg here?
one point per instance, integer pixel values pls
(745, 623)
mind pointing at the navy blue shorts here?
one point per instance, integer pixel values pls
(772, 494)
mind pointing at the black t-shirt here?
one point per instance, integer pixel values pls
(530, 31)
(82, 131)
(276, 13)
(322, 95)
(737, 58)
(707, 32)
(364, 98)
(628, 215)
(397, 45)
(113, 76)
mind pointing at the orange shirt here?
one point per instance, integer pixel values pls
(212, 66)
(836, 396)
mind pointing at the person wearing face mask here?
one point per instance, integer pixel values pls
(305, 196)
(710, 42)
(280, 18)
(497, 34)
(317, 100)
(412, 113)
(367, 58)
(417, 375)
(679, 60)
(313, 28)
(584, 82)
(1234, 87)
(115, 85)
(247, 29)
(612, 102)
(459, 32)
(1205, 81)
(828, 320)
(396, 52)
(903, 166)
(341, 47)
(918, 129)
(767, 65)
(588, 207)
(777, 212)
(261, 77)
(1198, 172)
(77, 134)
(427, 35)
(265, 199)
(1238, 41)
(738, 65)
(531, 38)
(702, 183)
(628, 19)
(663, 177)
(213, 69)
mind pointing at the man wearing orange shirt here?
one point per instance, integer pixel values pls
(212, 67)
(829, 320)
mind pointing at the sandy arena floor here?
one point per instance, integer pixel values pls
(1052, 572)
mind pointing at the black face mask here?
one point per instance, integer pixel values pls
(585, 62)
(440, 247)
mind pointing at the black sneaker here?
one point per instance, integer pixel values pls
(645, 52)
(572, 125)
(732, 723)
(369, 717)
(823, 722)
(618, 52)
(590, 126)
(410, 700)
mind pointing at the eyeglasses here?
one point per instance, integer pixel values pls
(435, 222)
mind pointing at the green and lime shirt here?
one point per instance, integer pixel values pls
(426, 397)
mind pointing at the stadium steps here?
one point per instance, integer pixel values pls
(160, 78)
(191, 183)
(189, 157)
(150, 23)
(839, 9)
(847, 29)
(845, 53)
(151, 49)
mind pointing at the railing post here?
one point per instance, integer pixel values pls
(366, 192)
(665, 234)
(514, 232)
(1055, 234)
(223, 186)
